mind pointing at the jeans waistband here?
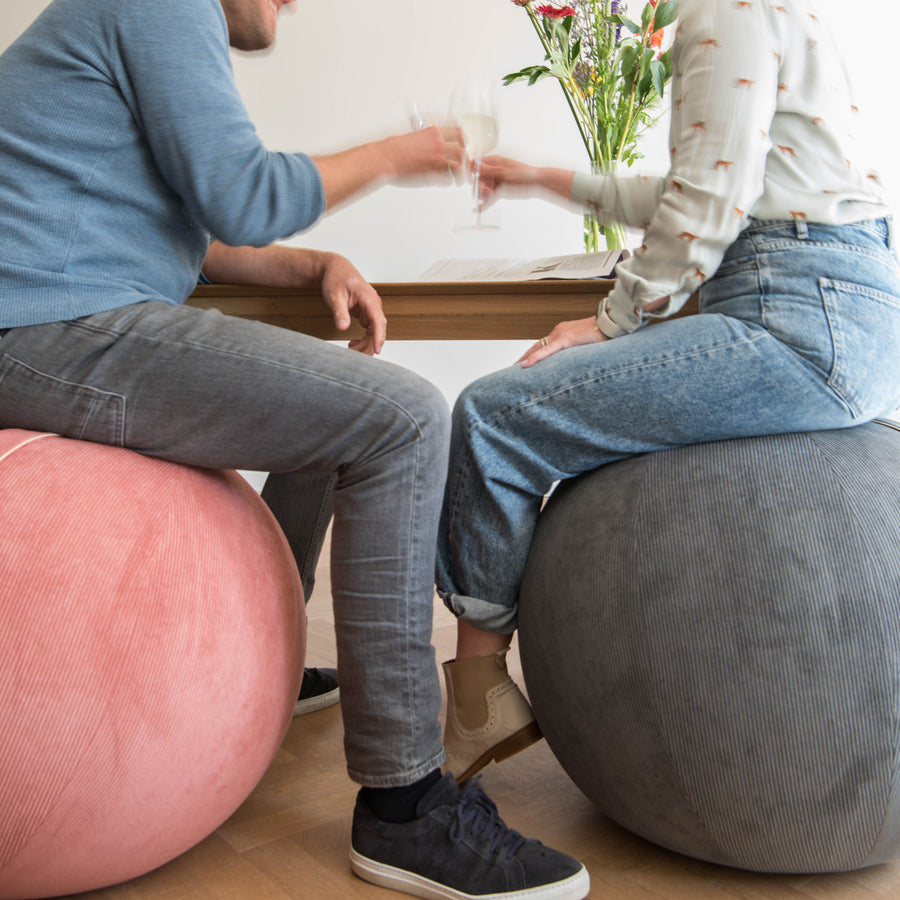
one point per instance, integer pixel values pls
(883, 228)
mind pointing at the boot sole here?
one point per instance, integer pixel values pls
(510, 746)
(576, 887)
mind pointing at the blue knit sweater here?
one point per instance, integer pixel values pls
(124, 147)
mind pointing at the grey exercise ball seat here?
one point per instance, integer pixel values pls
(710, 638)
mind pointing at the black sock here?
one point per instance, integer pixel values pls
(398, 804)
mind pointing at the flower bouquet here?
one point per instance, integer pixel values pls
(613, 72)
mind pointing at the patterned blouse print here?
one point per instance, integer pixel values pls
(762, 119)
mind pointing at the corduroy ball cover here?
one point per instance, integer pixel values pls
(711, 642)
(151, 648)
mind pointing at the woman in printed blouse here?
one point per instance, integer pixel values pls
(769, 210)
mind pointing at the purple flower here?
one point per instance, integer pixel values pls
(615, 8)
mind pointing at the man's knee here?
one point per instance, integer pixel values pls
(430, 412)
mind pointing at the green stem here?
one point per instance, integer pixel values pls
(547, 50)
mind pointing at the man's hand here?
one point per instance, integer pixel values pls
(348, 295)
(431, 155)
(345, 292)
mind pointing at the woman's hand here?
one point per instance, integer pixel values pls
(520, 179)
(564, 335)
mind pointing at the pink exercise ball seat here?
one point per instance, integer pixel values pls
(152, 638)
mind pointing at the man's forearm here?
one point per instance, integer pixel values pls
(272, 266)
(351, 172)
(432, 154)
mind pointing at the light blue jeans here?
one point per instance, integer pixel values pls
(210, 390)
(799, 331)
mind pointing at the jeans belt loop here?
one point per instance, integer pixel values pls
(801, 227)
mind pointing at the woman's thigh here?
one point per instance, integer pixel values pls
(785, 341)
(682, 381)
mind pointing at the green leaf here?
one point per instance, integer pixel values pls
(532, 73)
(647, 16)
(640, 75)
(666, 14)
(633, 27)
(630, 55)
(646, 82)
(658, 75)
(666, 60)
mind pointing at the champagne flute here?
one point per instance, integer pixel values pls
(472, 109)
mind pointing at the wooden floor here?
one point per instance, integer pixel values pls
(290, 839)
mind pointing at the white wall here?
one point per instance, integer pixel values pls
(342, 73)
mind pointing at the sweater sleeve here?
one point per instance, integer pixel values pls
(627, 201)
(726, 58)
(176, 77)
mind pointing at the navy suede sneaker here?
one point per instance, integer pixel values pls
(460, 848)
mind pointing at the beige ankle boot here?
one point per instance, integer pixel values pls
(487, 716)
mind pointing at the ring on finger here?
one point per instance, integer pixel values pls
(544, 342)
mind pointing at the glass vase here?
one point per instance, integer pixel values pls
(599, 236)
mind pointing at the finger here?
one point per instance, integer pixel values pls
(374, 337)
(452, 134)
(365, 305)
(362, 345)
(535, 346)
(455, 157)
(539, 350)
(376, 329)
(340, 311)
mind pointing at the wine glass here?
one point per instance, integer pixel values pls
(472, 109)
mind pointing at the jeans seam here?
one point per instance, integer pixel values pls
(322, 519)
(624, 370)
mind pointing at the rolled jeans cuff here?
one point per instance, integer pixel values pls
(493, 617)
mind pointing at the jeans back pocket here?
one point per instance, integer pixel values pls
(865, 329)
(37, 401)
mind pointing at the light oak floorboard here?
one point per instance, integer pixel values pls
(290, 839)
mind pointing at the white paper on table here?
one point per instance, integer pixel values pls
(577, 265)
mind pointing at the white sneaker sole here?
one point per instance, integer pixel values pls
(576, 887)
(320, 701)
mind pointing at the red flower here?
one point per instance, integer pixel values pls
(555, 12)
(656, 39)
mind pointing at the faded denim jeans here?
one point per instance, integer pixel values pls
(799, 331)
(209, 390)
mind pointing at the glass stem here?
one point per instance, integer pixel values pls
(476, 189)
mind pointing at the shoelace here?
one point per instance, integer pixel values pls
(477, 814)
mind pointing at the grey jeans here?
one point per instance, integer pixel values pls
(204, 389)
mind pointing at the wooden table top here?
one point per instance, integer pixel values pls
(424, 311)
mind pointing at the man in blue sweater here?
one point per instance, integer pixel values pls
(127, 163)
